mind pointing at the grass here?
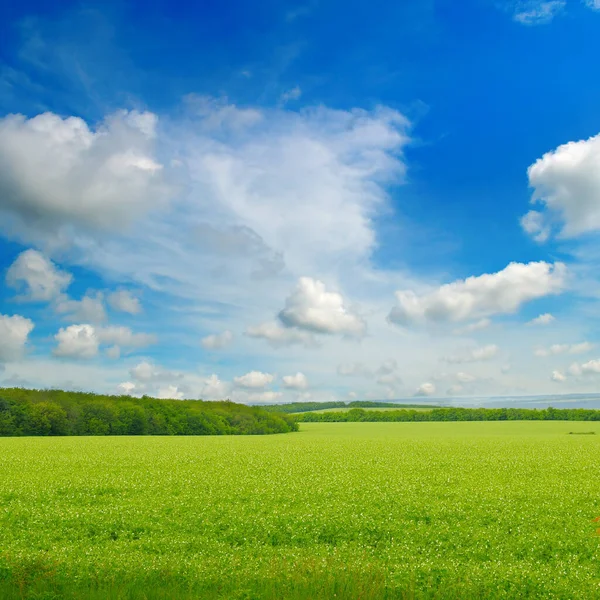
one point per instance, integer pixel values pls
(338, 510)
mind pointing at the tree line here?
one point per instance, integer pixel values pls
(452, 414)
(55, 412)
(300, 407)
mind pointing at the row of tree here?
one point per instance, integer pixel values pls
(453, 414)
(55, 412)
(300, 407)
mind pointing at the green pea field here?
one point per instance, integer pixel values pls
(337, 510)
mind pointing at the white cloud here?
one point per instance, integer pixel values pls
(278, 336)
(295, 382)
(14, 331)
(212, 388)
(485, 295)
(77, 341)
(264, 397)
(217, 341)
(56, 172)
(38, 278)
(425, 389)
(312, 308)
(83, 341)
(536, 12)
(473, 327)
(126, 388)
(145, 372)
(479, 354)
(593, 4)
(544, 319)
(292, 94)
(534, 223)
(123, 336)
(253, 380)
(555, 349)
(465, 377)
(169, 392)
(566, 181)
(125, 301)
(558, 377)
(591, 367)
(89, 309)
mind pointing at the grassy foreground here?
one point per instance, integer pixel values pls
(337, 510)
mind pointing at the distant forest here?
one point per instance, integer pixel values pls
(299, 407)
(54, 412)
(452, 414)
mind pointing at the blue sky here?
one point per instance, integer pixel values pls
(300, 200)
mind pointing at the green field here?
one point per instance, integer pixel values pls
(337, 510)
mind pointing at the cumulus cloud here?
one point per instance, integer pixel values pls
(125, 301)
(89, 309)
(479, 354)
(169, 392)
(36, 277)
(536, 12)
(566, 182)
(58, 171)
(425, 389)
(147, 372)
(558, 377)
(278, 336)
(312, 308)
(544, 319)
(253, 380)
(77, 341)
(485, 295)
(591, 367)
(14, 331)
(295, 382)
(123, 336)
(555, 349)
(126, 388)
(217, 341)
(83, 341)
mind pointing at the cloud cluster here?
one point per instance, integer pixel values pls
(482, 296)
(83, 341)
(14, 331)
(566, 183)
(57, 171)
(555, 349)
(312, 308)
(36, 277)
(253, 380)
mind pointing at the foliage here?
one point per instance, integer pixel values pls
(299, 407)
(54, 412)
(452, 414)
(345, 511)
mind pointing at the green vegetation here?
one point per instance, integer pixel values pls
(338, 510)
(299, 407)
(54, 412)
(379, 408)
(450, 414)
